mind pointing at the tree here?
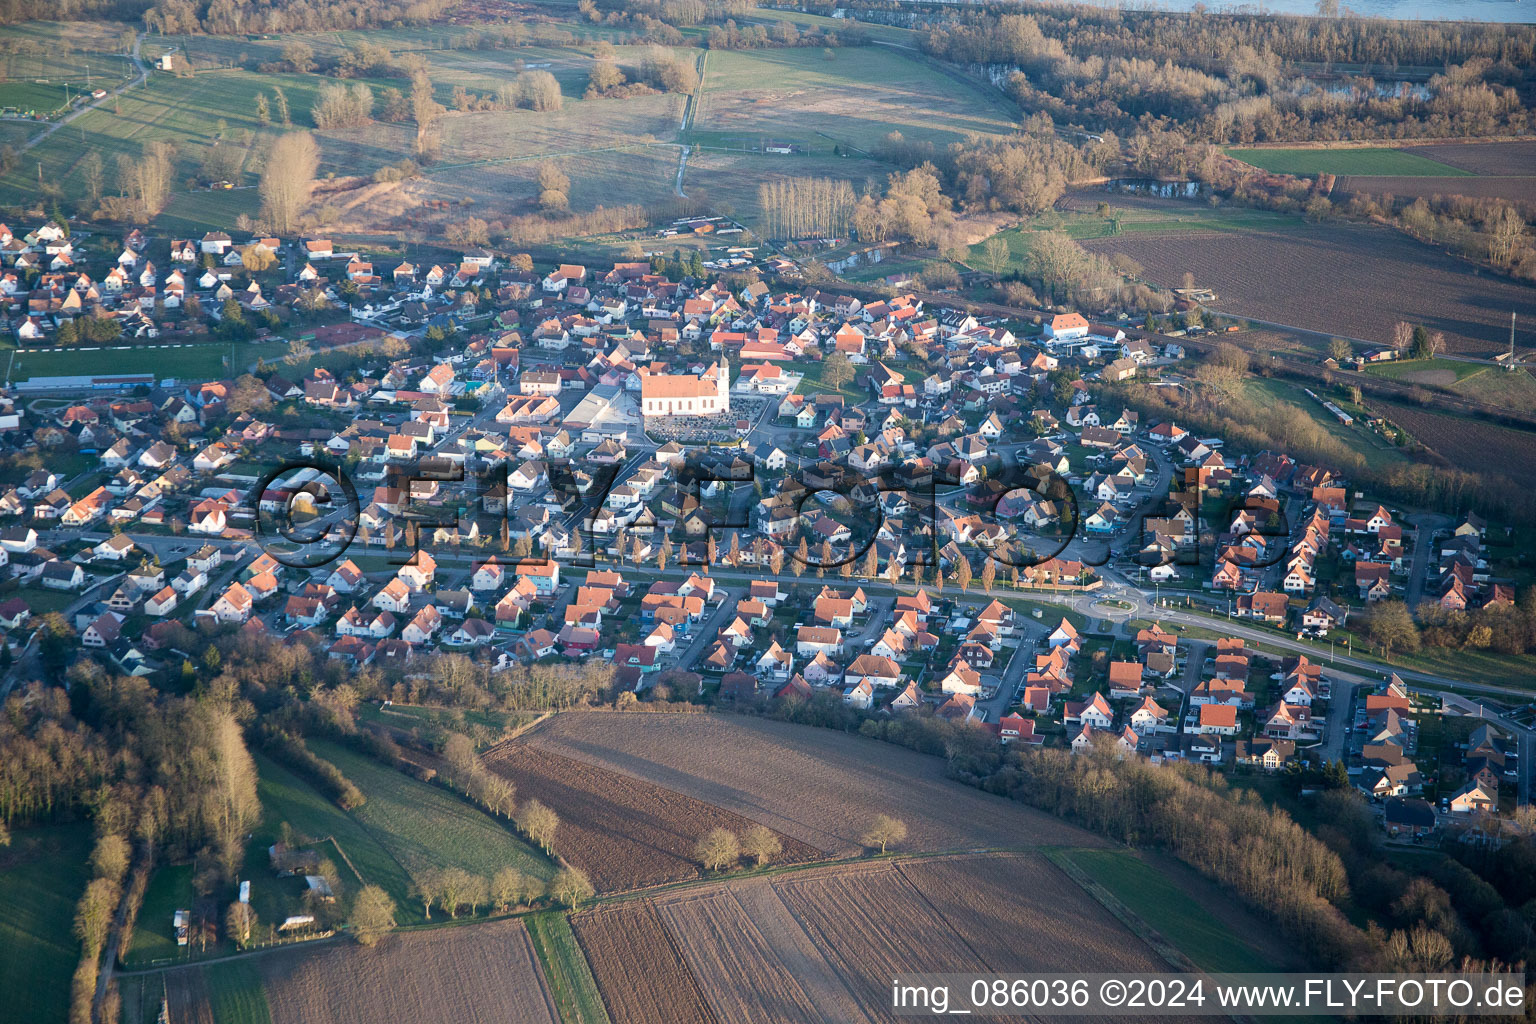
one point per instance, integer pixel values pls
(425, 887)
(263, 110)
(287, 179)
(963, 573)
(718, 849)
(280, 104)
(836, 371)
(885, 830)
(455, 887)
(988, 573)
(1390, 624)
(239, 923)
(538, 823)
(802, 558)
(109, 858)
(1340, 350)
(298, 56)
(1402, 336)
(373, 915)
(761, 844)
(256, 258)
(571, 887)
(995, 254)
(510, 888)
(539, 90)
(93, 915)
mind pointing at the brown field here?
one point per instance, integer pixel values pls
(485, 973)
(624, 834)
(1347, 279)
(1469, 444)
(818, 786)
(995, 903)
(186, 993)
(639, 970)
(1518, 189)
(823, 944)
(1496, 158)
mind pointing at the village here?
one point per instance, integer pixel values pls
(733, 491)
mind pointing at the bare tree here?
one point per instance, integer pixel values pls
(287, 179)
(761, 844)
(373, 915)
(995, 252)
(885, 830)
(571, 887)
(718, 849)
(538, 823)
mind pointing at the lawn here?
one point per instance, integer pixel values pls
(565, 969)
(1370, 161)
(813, 383)
(409, 716)
(424, 826)
(192, 214)
(1167, 908)
(187, 362)
(154, 937)
(42, 872)
(235, 994)
(1453, 370)
(287, 798)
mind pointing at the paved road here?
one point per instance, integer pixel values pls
(143, 76)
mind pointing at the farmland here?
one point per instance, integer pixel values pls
(1344, 161)
(43, 872)
(1469, 444)
(822, 943)
(1343, 279)
(855, 99)
(565, 968)
(624, 834)
(816, 786)
(641, 973)
(1515, 189)
(483, 974)
(1484, 158)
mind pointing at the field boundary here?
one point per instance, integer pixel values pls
(1061, 857)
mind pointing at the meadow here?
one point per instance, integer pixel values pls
(42, 872)
(190, 362)
(1151, 896)
(423, 826)
(565, 969)
(1373, 161)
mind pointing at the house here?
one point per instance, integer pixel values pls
(961, 679)
(1407, 816)
(873, 669)
(1124, 679)
(1095, 711)
(1474, 797)
(813, 640)
(1149, 717)
(1268, 754)
(1216, 720)
(1015, 729)
(234, 605)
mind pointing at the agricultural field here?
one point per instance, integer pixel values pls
(854, 99)
(642, 975)
(1373, 161)
(479, 975)
(424, 826)
(1483, 158)
(819, 787)
(624, 834)
(1349, 280)
(729, 181)
(42, 872)
(1469, 444)
(1518, 189)
(822, 943)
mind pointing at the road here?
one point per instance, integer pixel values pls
(143, 77)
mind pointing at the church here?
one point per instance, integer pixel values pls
(666, 394)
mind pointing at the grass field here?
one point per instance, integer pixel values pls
(1422, 371)
(424, 827)
(169, 890)
(1167, 908)
(1267, 392)
(235, 994)
(42, 873)
(493, 724)
(1344, 161)
(566, 970)
(287, 798)
(855, 99)
(199, 362)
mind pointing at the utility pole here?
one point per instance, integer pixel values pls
(1512, 315)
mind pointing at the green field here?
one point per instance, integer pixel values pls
(42, 873)
(1345, 161)
(193, 362)
(287, 798)
(1451, 370)
(409, 716)
(565, 969)
(1168, 909)
(235, 994)
(423, 826)
(1268, 392)
(169, 890)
